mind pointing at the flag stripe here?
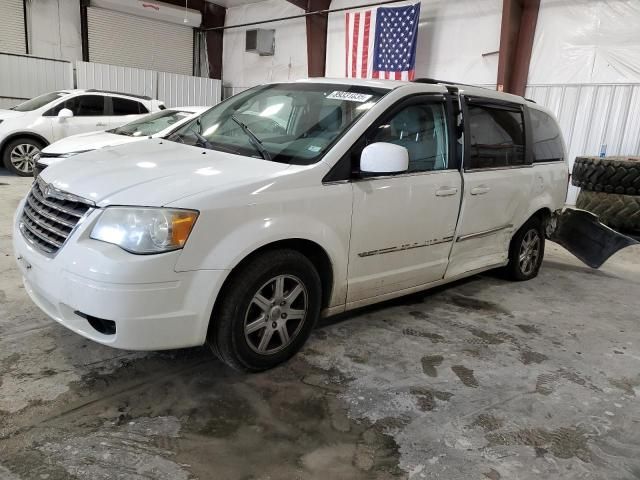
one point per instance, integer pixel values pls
(354, 46)
(365, 44)
(346, 42)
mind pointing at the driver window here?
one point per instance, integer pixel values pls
(422, 130)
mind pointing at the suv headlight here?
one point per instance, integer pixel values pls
(145, 230)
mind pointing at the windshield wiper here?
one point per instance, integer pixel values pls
(203, 142)
(255, 141)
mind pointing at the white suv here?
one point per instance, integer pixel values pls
(27, 128)
(287, 202)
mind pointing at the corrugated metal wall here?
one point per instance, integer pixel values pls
(173, 89)
(23, 77)
(119, 79)
(593, 117)
(184, 90)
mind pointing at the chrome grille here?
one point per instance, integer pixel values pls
(49, 216)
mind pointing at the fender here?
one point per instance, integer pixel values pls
(13, 135)
(226, 248)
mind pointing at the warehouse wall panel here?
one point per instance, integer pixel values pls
(594, 118)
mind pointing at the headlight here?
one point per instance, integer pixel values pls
(145, 230)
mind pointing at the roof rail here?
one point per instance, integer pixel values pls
(142, 97)
(443, 82)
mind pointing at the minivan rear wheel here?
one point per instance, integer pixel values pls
(19, 155)
(266, 311)
(526, 251)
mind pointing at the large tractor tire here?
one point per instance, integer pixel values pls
(619, 175)
(620, 212)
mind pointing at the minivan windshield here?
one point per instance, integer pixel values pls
(289, 122)
(38, 102)
(151, 124)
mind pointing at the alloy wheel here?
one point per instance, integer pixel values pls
(276, 314)
(23, 157)
(529, 252)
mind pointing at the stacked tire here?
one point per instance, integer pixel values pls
(610, 188)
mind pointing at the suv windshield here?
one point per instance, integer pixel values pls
(289, 122)
(151, 124)
(38, 102)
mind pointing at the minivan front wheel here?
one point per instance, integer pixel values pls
(266, 311)
(526, 251)
(19, 155)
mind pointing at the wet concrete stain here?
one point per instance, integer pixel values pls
(471, 303)
(529, 356)
(546, 383)
(528, 328)
(492, 474)
(239, 423)
(561, 442)
(434, 337)
(465, 375)
(425, 398)
(488, 422)
(430, 364)
(628, 385)
(486, 338)
(419, 315)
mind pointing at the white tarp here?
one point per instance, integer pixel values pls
(586, 41)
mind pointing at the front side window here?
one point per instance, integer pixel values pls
(124, 106)
(289, 122)
(81, 106)
(38, 102)
(151, 124)
(547, 139)
(422, 130)
(496, 136)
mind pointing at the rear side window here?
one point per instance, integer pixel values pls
(496, 136)
(124, 106)
(547, 139)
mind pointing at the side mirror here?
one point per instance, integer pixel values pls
(384, 158)
(65, 113)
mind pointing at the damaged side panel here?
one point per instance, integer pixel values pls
(582, 234)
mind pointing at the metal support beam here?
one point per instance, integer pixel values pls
(519, 19)
(84, 29)
(213, 16)
(317, 37)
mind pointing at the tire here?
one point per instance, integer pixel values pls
(18, 155)
(520, 269)
(620, 212)
(239, 306)
(619, 175)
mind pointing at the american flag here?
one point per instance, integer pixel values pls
(381, 42)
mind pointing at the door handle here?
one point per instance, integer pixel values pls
(480, 190)
(101, 124)
(446, 191)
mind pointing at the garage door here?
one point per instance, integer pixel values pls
(12, 26)
(122, 39)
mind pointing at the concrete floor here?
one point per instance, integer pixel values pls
(480, 379)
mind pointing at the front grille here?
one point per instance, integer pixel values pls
(50, 215)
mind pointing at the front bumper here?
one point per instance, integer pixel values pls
(153, 306)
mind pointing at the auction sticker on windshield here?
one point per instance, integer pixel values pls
(349, 96)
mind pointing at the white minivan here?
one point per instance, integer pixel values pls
(287, 202)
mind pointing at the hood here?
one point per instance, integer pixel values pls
(88, 141)
(6, 114)
(154, 173)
